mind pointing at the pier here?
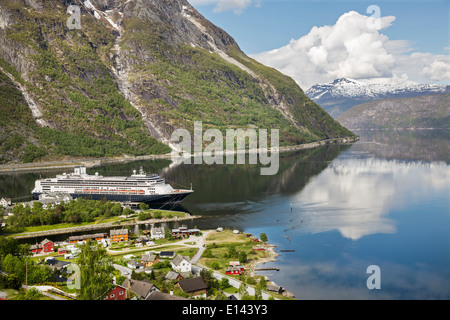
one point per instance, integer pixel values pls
(267, 269)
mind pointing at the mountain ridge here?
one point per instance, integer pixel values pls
(341, 94)
(137, 70)
(422, 112)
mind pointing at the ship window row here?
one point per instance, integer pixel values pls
(123, 188)
(117, 184)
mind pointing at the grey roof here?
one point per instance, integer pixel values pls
(172, 275)
(118, 231)
(157, 230)
(148, 257)
(87, 236)
(178, 259)
(141, 288)
(135, 263)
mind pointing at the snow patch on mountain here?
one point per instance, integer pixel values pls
(340, 95)
(349, 88)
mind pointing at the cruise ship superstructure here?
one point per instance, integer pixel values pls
(139, 187)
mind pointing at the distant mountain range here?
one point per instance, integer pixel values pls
(424, 112)
(340, 95)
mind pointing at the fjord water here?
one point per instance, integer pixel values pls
(381, 201)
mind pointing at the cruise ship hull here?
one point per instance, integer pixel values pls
(173, 198)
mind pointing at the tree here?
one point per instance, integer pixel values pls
(8, 246)
(206, 275)
(262, 283)
(144, 206)
(225, 283)
(143, 216)
(263, 237)
(258, 293)
(31, 294)
(243, 289)
(242, 257)
(232, 253)
(220, 296)
(95, 272)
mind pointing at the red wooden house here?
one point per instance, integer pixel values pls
(117, 293)
(233, 271)
(45, 246)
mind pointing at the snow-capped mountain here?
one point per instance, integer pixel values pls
(340, 95)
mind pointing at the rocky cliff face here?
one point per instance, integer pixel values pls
(138, 69)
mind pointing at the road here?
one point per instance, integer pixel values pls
(199, 243)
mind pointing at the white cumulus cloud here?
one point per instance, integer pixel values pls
(354, 47)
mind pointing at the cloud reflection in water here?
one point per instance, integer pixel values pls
(355, 195)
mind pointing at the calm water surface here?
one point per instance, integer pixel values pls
(382, 201)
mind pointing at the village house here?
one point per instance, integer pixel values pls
(45, 246)
(132, 264)
(56, 264)
(149, 260)
(258, 248)
(157, 233)
(142, 289)
(166, 254)
(233, 271)
(194, 286)
(85, 237)
(181, 264)
(117, 293)
(184, 231)
(236, 264)
(118, 235)
(172, 275)
(5, 202)
(62, 250)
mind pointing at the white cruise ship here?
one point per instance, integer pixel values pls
(139, 187)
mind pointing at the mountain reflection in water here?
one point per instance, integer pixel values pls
(383, 200)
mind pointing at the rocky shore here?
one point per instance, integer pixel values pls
(271, 258)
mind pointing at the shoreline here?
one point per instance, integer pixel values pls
(271, 258)
(90, 163)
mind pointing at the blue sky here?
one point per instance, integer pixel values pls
(420, 27)
(275, 22)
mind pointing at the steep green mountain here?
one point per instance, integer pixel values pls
(135, 71)
(429, 111)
